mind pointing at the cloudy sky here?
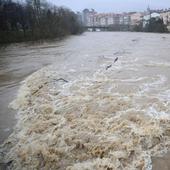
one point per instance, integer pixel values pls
(113, 5)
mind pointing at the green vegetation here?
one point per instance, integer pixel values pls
(153, 25)
(34, 20)
(138, 28)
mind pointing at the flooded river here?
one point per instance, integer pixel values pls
(78, 109)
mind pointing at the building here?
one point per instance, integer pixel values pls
(103, 20)
(88, 17)
(123, 21)
(110, 19)
(85, 15)
(165, 15)
(91, 18)
(136, 18)
(126, 19)
(80, 17)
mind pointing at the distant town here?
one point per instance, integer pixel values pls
(93, 20)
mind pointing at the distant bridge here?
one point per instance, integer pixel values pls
(94, 28)
(108, 28)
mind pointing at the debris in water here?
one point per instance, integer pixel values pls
(109, 66)
(116, 59)
(61, 79)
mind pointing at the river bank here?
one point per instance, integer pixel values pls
(123, 110)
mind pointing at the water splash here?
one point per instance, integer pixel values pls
(94, 122)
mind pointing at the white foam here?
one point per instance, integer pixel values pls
(83, 124)
(157, 64)
(156, 114)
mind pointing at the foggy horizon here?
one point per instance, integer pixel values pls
(113, 5)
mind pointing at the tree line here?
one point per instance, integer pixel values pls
(153, 25)
(35, 19)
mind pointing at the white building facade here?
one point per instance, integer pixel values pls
(136, 18)
(166, 18)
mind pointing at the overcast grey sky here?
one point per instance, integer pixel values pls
(113, 5)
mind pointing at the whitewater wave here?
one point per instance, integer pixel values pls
(94, 122)
(158, 64)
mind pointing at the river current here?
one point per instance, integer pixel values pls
(96, 101)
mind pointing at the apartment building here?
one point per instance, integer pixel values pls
(91, 18)
(136, 18)
(88, 17)
(166, 18)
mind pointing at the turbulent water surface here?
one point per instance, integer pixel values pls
(82, 110)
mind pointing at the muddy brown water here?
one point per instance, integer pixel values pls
(83, 53)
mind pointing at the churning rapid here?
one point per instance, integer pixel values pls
(87, 112)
